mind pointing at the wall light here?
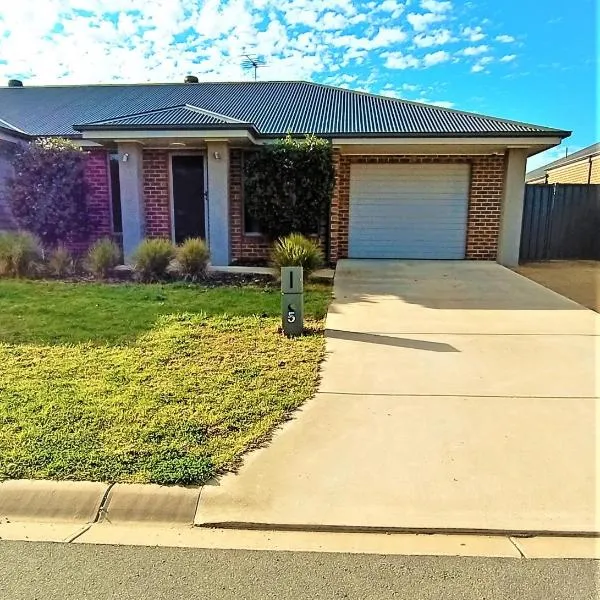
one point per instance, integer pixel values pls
(217, 155)
(125, 157)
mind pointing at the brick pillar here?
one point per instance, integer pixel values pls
(340, 208)
(235, 204)
(97, 177)
(157, 204)
(485, 207)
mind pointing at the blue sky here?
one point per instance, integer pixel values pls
(521, 59)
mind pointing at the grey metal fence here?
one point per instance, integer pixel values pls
(561, 221)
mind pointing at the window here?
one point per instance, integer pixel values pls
(250, 223)
(115, 193)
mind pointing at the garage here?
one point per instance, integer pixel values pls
(408, 210)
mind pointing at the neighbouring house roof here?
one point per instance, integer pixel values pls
(592, 150)
(274, 108)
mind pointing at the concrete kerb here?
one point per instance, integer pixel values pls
(132, 514)
(85, 502)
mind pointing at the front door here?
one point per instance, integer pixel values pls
(188, 197)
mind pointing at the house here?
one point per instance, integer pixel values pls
(412, 180)
(579, 167)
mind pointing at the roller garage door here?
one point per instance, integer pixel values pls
(408, 211)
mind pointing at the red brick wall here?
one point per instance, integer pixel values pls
(485, 201)
(157, 204)
(485, 207)
(97, 177)
(244, 248)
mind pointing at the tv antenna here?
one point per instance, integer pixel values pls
(252, 61)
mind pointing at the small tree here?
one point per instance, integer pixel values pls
(47, 194)
(288, 186)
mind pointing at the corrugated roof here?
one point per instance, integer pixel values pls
(274, 107)
(183, 115)
(11, 129)
(584, 153)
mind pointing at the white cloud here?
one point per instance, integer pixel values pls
(435, 58)
(475, 50)
(397, 60)
(480, 65)
(332, 20)
(420, 22)
(436, 6)
(508, 58)
(383, 38)
(505, 39)
(392, 6)
(436, 38)
(441, 103)
(473, 34)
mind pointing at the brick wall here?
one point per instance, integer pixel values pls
(485, 201)
(97, 176)
(157, 204)
(485, 207)
(244, 248)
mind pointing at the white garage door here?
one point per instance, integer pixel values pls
(408, 211)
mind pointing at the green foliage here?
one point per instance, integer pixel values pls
(20, 253)
(288, 185)
(295, 250)
(152, 258)
(48, 193)
(192, 258)
(102, 257)
(60, 262)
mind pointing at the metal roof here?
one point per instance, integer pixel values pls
(11, 129)
(584, 153)
(183, 115)
(275, 108)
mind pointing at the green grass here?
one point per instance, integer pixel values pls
(145, 383)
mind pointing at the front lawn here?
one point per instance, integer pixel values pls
(145, 383)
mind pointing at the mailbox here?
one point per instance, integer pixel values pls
(292, 300)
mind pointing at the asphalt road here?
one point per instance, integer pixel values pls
(31, 571)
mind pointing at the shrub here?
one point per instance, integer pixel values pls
(192, 258)
(48, 193)
(103, 256)
(295, 250)
(61, 261)
(20, 253)
(288, 186)
(151, 259)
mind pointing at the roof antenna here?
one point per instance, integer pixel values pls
(252, 61)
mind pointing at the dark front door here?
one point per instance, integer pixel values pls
(188, 197)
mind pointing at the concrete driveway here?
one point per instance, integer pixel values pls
(455, 396)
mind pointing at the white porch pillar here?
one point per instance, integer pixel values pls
(217, 187)
(512, 207)
(131, 177)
